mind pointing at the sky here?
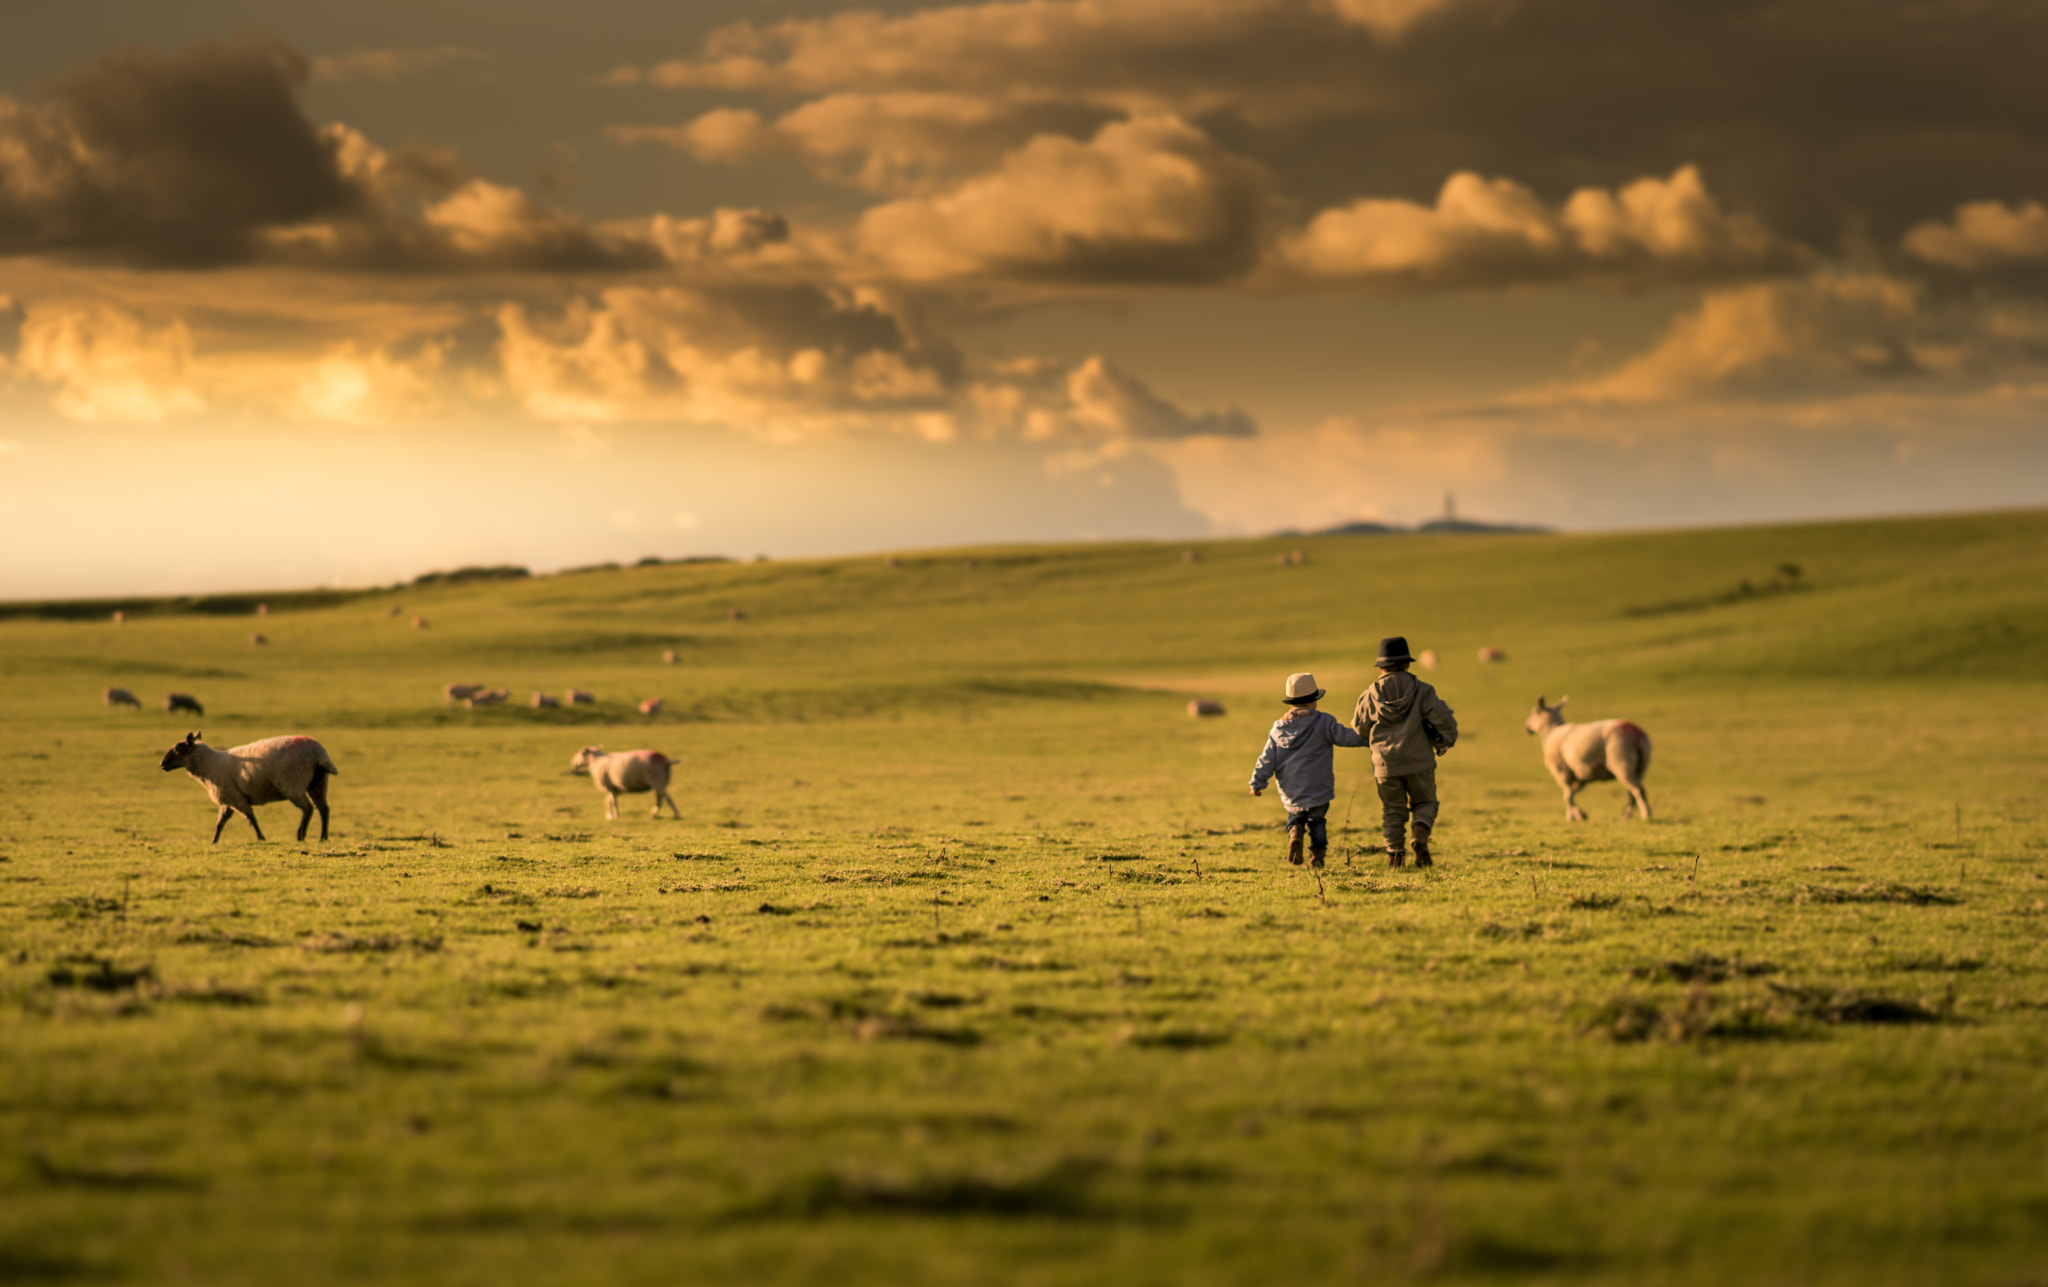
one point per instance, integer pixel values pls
(315, 294)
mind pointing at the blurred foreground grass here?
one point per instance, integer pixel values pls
(970, 961)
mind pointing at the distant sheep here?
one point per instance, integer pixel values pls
(1199, 708)
(1428, 659)
(122, 697)
(260, 639)
(239, 779)
(395, 610)
(628, 771)
(262, 609)
(183, 702)
(543, 702)
(454, 693)
(668, 656)
(581, 697)
(652, 706)
(735, 614)
(1577, 754)
(119, 616)
(1191, 556)
(1491, 655)
(488, 697)
(419, 623)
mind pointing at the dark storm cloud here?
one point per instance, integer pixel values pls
(206, 157)
(167, 160)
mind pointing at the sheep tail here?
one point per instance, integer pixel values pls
(328, 766)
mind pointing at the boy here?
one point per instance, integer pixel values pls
(1408, 726)
(1298, 753)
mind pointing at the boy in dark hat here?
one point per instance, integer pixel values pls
(1408, 726)
(1299, 753)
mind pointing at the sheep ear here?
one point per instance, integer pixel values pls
(1562, 700)
(1539, 701)
(191, 738)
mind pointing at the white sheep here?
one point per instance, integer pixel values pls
(629, 771)
(183, 702)
(487, 697)
(1201, 707)
(239, 779)
(542, 702)
(454, 693)
(652, 706)
(122, 697)
(582, 697)
(1577, 754)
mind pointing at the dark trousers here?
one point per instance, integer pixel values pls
(1317, 822)
(1411, 792)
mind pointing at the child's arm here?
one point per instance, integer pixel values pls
(1438, 713)
(1342, 736)
(1362, 718)
(1268, 764)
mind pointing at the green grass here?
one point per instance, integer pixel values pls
(970, 960)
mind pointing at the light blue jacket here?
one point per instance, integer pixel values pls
(1298, 754)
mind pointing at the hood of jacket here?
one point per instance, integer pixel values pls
(1397, 693)
(1295, 725)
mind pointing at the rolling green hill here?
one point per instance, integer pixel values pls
(970, 960)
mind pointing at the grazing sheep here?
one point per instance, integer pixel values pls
(419, 623)
(395, 610)
(1428, 659)
(895, 562)
(454, 693)
(183, 702)
(1199, 708)
(1577, 754)
(652, 706)
(239, 779)
(487, 697)
(543, 702)
(119, 616)
(582, 697)
(260, 639)
(735, 614)
(668, 656)
(1191, 556)
(1491, 655)
(122, 697)
(262, 609)
(628, 771)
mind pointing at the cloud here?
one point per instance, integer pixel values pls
(1495, 232)
(788, 363)
(1148, 200)
(388, 64)
(351, 385)
(167, 160)
(206, 158)
(896, 143)
(1983, 234)
(108, 365)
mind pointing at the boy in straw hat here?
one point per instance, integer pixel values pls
(1298, 753)
(1408, 726)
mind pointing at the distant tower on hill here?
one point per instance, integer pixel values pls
(1450, 508)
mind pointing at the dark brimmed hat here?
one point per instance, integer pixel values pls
(1394, 650)
(1301, 690)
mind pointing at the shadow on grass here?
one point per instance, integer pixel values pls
(1063, 1190)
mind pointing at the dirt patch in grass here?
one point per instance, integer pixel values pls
(1913, 895)
(1062, 1190)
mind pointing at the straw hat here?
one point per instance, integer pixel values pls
(1301, 690)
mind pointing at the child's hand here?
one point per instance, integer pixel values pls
(1257, 791)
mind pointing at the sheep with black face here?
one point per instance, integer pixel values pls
(242, 777)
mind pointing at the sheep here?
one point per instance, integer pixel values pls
(454, 693)
(183, 702)
(119, 616)
(543, 702)
(487, 697)
(419, 623)
(1199, 708)
(1191, 556)
(262, 609)
(1428, 659)
(652, 706)
(395, 610)
(668, 656)
(1577, 754)
(629, 771)
(122, 697)
(582, 697)
(239, 779)
(1491, 655)
(735, 614)
(260, 639)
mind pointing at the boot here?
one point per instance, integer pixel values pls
(1315, 856)
(1422, 858)
(1294, 845)
(1395, 858)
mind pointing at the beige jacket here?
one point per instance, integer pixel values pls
(1389, 717)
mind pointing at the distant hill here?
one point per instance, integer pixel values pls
(1369, 528)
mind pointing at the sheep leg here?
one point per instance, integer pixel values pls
(1638, 797)
(611, 805)
(1570, 786)
(318, 792)
(249, 812)
(305, 814)
(226, 812)
(661, 797)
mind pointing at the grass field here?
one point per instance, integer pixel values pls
(971, 961)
